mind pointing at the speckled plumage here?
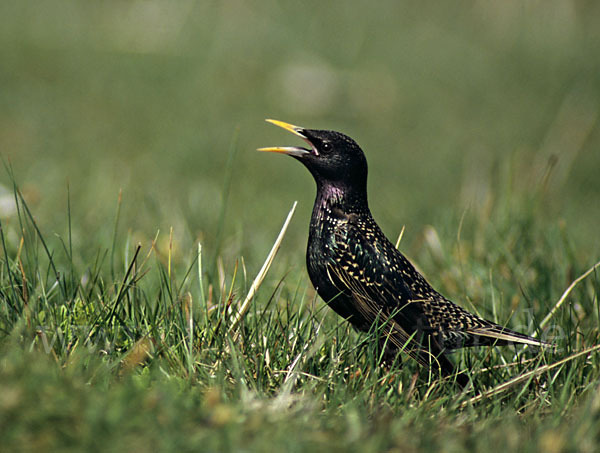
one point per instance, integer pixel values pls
(361, 275)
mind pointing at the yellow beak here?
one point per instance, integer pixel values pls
(291, 150)
(288, 127)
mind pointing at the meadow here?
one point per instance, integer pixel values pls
(142, 305)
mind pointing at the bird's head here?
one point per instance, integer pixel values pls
(332, 157)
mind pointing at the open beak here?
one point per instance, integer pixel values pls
(291, 150)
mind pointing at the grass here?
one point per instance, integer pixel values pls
(143, 352)
(135, 219)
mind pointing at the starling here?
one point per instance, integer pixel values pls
(361, 275)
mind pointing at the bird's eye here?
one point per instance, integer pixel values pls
(326, 146)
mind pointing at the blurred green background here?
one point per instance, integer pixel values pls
(459, 106)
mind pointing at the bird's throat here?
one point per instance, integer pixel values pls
(331, 197)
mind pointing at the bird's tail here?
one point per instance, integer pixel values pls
(494, 334)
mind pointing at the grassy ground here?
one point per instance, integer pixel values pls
(135, 217)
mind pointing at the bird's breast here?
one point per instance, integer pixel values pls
(323, 248)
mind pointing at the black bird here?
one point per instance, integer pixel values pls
(361, 275)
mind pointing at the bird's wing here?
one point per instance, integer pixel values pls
(384, 283)
(364, 269)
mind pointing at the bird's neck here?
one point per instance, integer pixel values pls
(349, 200)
